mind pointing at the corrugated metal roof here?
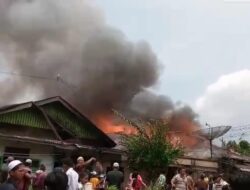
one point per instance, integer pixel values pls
(65, 118)
(27, 117)
(41, 114)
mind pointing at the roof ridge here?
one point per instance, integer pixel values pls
(64, 102)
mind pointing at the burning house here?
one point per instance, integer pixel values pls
(50, 129)
(72, 51)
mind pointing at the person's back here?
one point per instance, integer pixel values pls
(240, 181)
(56, 181)
(115, 178)
(71, 173)
(201, 185)
(38, 182)
(189, 180)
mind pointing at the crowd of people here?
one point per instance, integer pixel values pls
(183, 180)
(70, 176)
(17, 175)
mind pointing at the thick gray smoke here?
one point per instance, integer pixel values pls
(64, 47)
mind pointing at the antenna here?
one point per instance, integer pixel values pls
(212, 133)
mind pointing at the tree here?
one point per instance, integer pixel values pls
(243, 147)
(150, 149)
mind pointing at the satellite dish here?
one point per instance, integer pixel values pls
(212, 133)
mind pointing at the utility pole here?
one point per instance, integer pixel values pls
(210, 138)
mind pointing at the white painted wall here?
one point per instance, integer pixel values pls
(43, 153)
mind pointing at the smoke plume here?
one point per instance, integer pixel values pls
(62, 47)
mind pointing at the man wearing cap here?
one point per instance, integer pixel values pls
(81, 164)
(28, 164)
(7, 161)
(16, 175)
(115, 177)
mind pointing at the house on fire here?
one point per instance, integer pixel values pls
(49, 130)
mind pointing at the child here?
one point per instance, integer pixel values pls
(84, 183)
(94, 179)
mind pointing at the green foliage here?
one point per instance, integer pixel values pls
(243, 147)
(112, 187)
(150, 149)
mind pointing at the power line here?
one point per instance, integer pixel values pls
(26, 75)
(58, 79)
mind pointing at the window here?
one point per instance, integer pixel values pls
(18, 153)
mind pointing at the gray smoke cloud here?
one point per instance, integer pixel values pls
(62, 47)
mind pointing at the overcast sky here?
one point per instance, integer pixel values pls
(204, 46)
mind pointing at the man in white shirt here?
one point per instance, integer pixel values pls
(71, 173)
(178, 182)
(219, 183)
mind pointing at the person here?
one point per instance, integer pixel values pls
(7, 161)
(28, 163)
(38, 182)
(239, 181)
(56, 180)
(210, 182)
(84, 183)
(94, 179)
(98, 167)
(28, 175)
(178, 182)
(71, 173)
(115, 177)
(219, 183)
(201, 184)
(35, 180)
(189, 180)
(16, 171)
(161, 181)
(4, 171)
(82, 164)
(137, 181)
(101, 185)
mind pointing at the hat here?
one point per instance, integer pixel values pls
(93, 173)
(29, 161)
(39, 171)
(13, 164)
(9, 159)
(80, 158)
(102, 176)
(116, 165)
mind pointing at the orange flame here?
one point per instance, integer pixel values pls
(109, 126)
(180, 129)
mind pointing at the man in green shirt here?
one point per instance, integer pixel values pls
(115, 177)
